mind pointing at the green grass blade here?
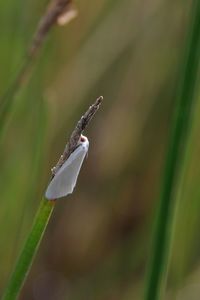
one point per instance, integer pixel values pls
(30, 248)
(178, 139)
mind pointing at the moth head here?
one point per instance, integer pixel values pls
(83, 141)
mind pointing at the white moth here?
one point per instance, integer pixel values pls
(64, 181)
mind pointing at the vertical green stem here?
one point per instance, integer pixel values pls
(30, 249)
(178, 139)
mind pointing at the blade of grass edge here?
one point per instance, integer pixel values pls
(29, 250)
(165, 217)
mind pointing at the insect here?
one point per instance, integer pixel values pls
(64, 181)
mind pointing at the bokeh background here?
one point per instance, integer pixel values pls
(97, 244)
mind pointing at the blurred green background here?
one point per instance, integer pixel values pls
(97, 243)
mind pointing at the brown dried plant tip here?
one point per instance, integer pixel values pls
(56, 13)
(76, 134)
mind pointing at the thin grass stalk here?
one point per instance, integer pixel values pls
(54, 10)
(45, 210)
(165, 218)
(29, 250)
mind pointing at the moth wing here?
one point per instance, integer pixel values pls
(65, 179)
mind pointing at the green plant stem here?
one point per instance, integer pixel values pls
(178, 139)
(30, 248)
(8, 99)
(45, 210)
